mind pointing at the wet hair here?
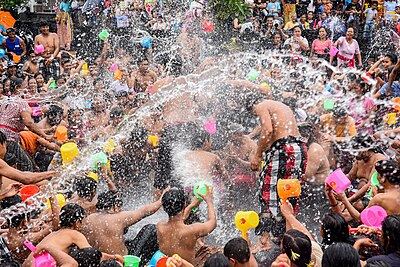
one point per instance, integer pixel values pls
(392, 57)
(237, 249)
(70, 214)
(389, 169)
(85, 187)
(217, 260)
(55, 110)
(308, 129)
(391, 234)
(109, 263)
(334, 256)
(116, 112)
(294, 241)
(173, 201)
(10, 30)
(199, 138)
(377, 264)
(121, 94)
(335, 229)
(10, 201)
(250, 99)
(3, 138)
(11, 263)
(145, 244)
(137, 138)
(109, 199)
(87, 257)
(44, 23)
(16, 220)
(364, 142)
(339, 112)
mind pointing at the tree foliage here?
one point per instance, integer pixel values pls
(12, 5)
(230, 9)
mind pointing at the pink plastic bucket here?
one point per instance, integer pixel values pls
(39, 49)
(114, 66)
(373, 216)
(338, 181)
(210, 126)
(333, 51)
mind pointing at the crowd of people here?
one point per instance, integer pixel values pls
(177, 115)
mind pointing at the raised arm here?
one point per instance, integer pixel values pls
(392, 77)
(203, 229)
(291, 221)
(26, 117)
(128, 218)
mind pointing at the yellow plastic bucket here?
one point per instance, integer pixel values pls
(245, 220)
(68, 152)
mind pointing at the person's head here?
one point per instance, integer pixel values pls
(3, 145)
(324, 15)
(374, 5)
(137, 140)
(250, 100)
(98, 84)
(322, 33)
(67, 65)
(174, 201)
(388, 172)
(397, 9)
(93, 70)
(389, 60)
(39, 79)
(339, 115)
(143, 65)
(341, 254)
(309, 132)
(18, 221)
(33, 58)
(11, 34)
(11, 68)
(293, 17)
(32, 84)
(87, 257)
(277, 38)
(99, 104)
(297, 246)
(55, 115)
(269, 21)
(237, 251)
(217, 260)
(377, 263)
(303, 18)
(85, 187)
(310, 15)
(350, 32)
(391, 234)
(71, 216)
(334, 228)
(8, 88)
(116, 115)
(122, 97)
(44, 27)
(296, 31)
(109, 201)
(356, 86)
(201, 140)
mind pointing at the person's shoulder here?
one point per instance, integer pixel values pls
(315, 148)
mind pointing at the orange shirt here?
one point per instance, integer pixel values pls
(29, 142)
(339, 130)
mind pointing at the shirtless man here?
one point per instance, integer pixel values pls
(143, 79)
(31, 67)
(388, 176)
(286, 154)
(111, 239)
(100, 115)
(53, 119)
(85, 192)
(175, 237)
(49, 65)
(71, 221)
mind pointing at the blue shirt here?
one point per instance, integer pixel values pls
(2, 37)
(275, 7)
(395, 92)
(66, 6)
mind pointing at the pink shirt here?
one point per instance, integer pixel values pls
(319, 46)
(10, 117)
(348, 50)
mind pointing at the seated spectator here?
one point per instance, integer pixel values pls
(291, 24)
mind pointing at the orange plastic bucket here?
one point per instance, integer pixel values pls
(28, 191)
(117, 75)
(61, 133)
(288, 188)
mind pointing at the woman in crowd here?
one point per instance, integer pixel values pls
(348, 50)
(322, 45)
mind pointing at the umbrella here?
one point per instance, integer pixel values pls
(6, 19)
